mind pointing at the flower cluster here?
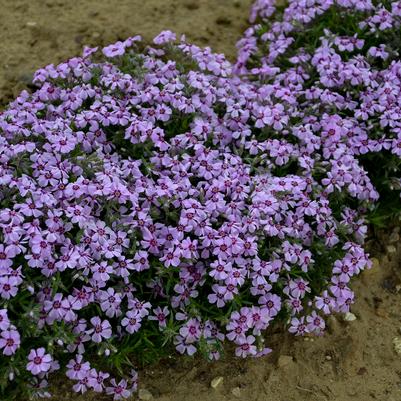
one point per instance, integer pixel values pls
(154, 195)
(340, 59)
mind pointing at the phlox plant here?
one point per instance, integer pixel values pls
(341, 59)
(152, 199)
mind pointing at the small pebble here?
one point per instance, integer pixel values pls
(394, 238)
(236, 392)
(391, 249)
(216, 382)
(381, 313)
(397, 345)
(328, 358)
(284, 360)
(145, 395)
(31, 24)
(349, 317)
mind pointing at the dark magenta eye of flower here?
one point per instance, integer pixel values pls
(3, 256)
(10, 342)
(118, 390)
(37, 360)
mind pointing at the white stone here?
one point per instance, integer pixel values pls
(397, 345)
(145, 395)
(216, 382)
(349, 317)
(236, 392)
(391, 249)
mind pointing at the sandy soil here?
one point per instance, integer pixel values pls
(39, 32)
(355, 360)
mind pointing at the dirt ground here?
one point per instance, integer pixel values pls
(355, 360)
(38, 32)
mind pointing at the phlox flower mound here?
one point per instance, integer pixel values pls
(341, 61)
(150, 199)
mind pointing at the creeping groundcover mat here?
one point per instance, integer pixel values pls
(156, 197)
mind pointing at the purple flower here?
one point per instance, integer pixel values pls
(245, 346)
(4, 321)
(96, 380)
(39, 361)
(77, 369)
(10, 341)
(118, 390)
(272, 302)
(114, 50)
(101, 329)
(298, 326)
(132, 321)
(160, 315)
(164, 37)
(6, 255)
(315, 323)
(324, 303)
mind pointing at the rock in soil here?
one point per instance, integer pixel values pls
(236, 392)
(145, 395)
(285, 360)
(397, 345)
(216, 382)
(349, 317)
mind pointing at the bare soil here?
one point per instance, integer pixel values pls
(35, 33)
(354, 361)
